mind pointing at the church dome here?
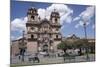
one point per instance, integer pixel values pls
(45, 20)
(55, 13)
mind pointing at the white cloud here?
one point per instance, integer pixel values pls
(66, 19)
(18, 25)
(77, 25)
(85, 16)
(13, 37)
(81, 24)
(41, 13)
(76, 18)
(64, 11)
(61, 8)
(93, 26)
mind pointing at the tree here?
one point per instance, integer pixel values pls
(70, 44)
(62, 46)
(92, 47)
(83, 43)
(79, 45)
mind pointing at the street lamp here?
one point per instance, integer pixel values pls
(85, 33)
(22, 46)
(11, 55)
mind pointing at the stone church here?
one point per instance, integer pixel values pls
(43, 35)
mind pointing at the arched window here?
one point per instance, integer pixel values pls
(56, 36)
(45, 48)
(55, 19)
(32, 36)
(33, 17)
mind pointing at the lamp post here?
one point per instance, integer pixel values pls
(22, 47)
(85, 33)
(11, 55)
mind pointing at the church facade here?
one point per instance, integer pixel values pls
(43, 35)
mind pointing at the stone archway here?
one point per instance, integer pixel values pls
(45, 48)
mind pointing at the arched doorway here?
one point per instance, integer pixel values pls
(45, 48)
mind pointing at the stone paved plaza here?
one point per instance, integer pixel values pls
(51, 60)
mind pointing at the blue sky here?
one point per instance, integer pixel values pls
(71, 20)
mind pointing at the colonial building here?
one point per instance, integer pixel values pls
(17, 45)
(42, 34)
(73, 37)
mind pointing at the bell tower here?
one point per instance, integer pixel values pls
(32, 14)
(32, 27)
(55, 24)
(55, 18)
